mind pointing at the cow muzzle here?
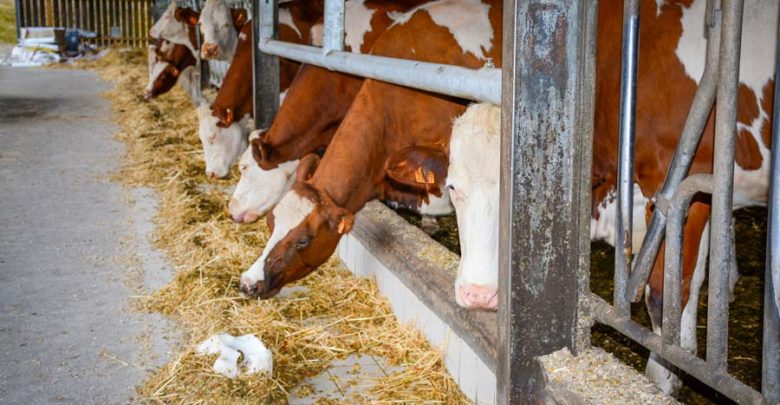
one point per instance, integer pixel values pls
(478, 297)
(208, 51)
(260, 289)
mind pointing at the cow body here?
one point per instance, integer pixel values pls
(392, 143)
(671, 61)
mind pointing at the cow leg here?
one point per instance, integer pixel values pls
(429, 224)
(696, 230)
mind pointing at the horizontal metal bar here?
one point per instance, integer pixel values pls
(679, 357)
(474, 84)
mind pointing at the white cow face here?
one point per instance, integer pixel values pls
(258, 190)
(473, 183)
(221, 146)
(171, 29)
(219, 33)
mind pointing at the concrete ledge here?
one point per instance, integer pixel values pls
(417, 275)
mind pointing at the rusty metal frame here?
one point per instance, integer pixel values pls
(547, 129)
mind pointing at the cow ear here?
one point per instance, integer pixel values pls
(307, 167)
(270, 220)
(239, 17)
(256, 135)
(339, 219)
(187, 16)
(420, 168)
(228, 116)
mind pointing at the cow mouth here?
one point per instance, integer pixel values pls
(260, 289)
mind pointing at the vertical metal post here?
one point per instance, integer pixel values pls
(546, 125)
(722, 193)
(333, 35)
(625, 193)
(678, 210)
(265, 14)
(19, 19)
(770, 373)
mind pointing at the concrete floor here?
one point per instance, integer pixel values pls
(74, 248)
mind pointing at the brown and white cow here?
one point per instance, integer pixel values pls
(221, 134)
(392, 144)
(174, 25)
(174, 52)
(172, 62)
(314, 106)
(671, 54)
(220, 26)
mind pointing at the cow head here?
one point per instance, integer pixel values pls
(308, 223)
(170, 61)
(219, 24)
(162, 78)
(473, 183)
(174, 26)
(307, 226)
(259, 190)
(221, 146)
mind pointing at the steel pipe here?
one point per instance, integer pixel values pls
(265, 69)
(625, 193)
(681, 161)
(721, 226)
(678, 209)
(333, 34)
(770, 373)
(474, 84)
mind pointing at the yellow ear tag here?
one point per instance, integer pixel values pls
(418, 176)
(342, 226)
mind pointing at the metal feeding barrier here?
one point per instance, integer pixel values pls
(547, 101)
(720, 81)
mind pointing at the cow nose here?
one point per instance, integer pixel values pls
(209, 50)
(238, 217)
(211, 175)
(147, 94)
(259, 289)
(478, 297)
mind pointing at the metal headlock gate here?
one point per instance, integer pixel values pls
(546, 90)
(124, 22)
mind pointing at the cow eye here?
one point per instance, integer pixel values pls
(243, 168)
(450, 187)
(303, 242)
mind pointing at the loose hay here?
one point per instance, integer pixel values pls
(336, 315)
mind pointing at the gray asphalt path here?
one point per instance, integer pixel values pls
(74, 247)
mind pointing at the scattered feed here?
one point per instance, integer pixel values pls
(332, 316)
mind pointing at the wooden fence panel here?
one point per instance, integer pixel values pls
(132, 18)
